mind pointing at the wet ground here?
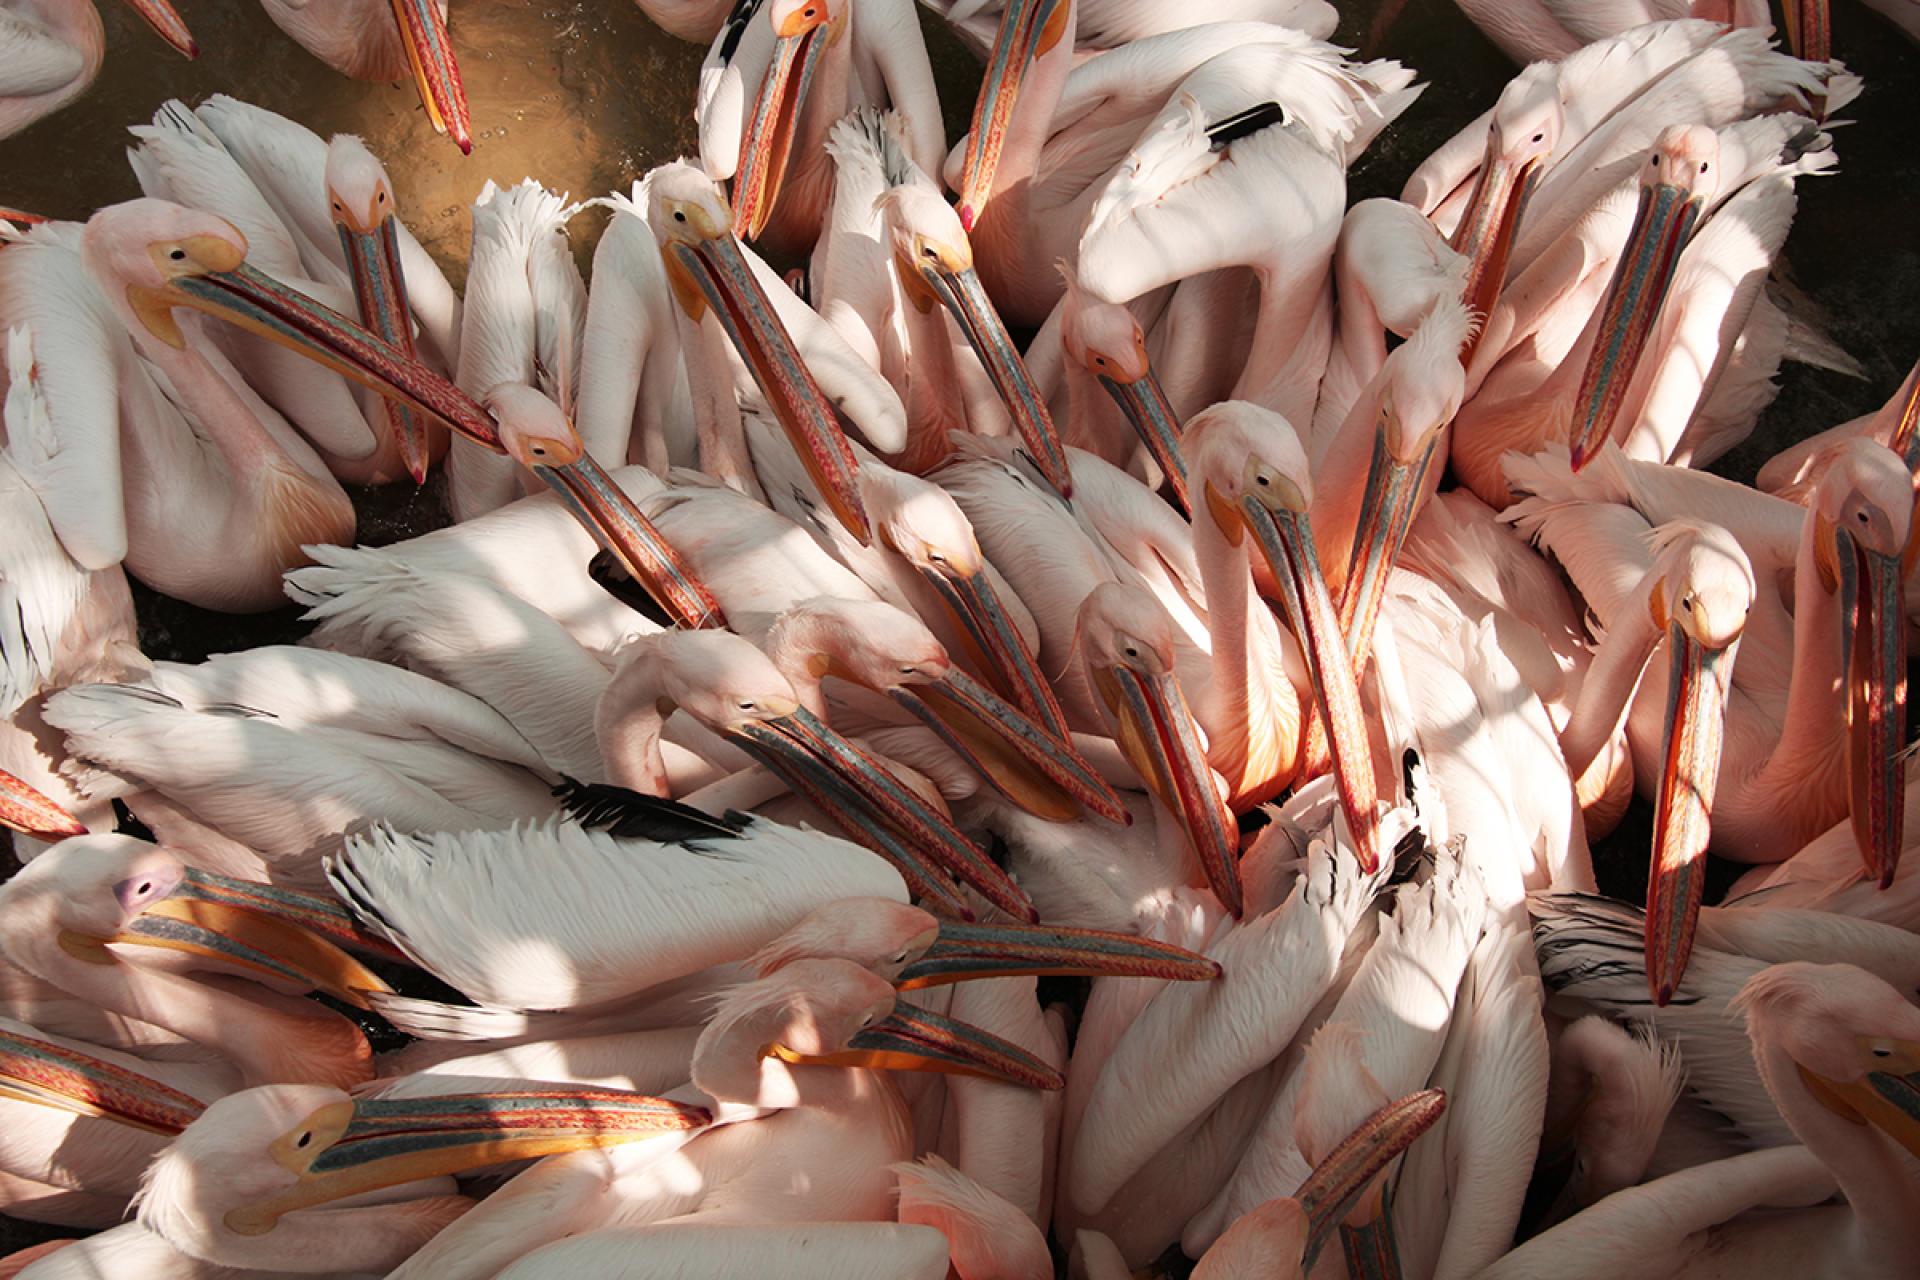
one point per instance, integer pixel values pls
(586, 95)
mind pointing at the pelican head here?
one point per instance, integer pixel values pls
(1681, 174)
(734, 689)
(258, 1161)
(1126, 639)
(1526, 126)
(921, 522)
(359, 196)
(1255, 478)
(534, 432)
(708, 268)
(834, 1013)
(150, 257)
(1698, 592)
(1106, 340)
(803, 30)
(91, 893)
(1853, 1041)
(934, 263)
(1863, 513)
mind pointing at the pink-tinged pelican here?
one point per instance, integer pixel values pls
(1180, 203)
(255, 1181)
(89, 917)
(777, 79)
(1256, 481)
(806, 1055)
(1820, 736)
(893, 253)
(52, 49)
(1836, 1048)
(385, 40)
(712, 273)
(1537, 29)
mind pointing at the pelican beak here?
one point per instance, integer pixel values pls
(1387, 508)
(371, 241)
(24, 809)
(167, 24)
(1350, 1170)
(217, 919)
(1661, 228)
(1041, 773)
(996, 645)
(877, 810)
(430, 52)
(1683, 809)
(40, 1071)
(1886, 1094)
(1028, 29)
(1876, 663)
(350, 1148)
(912, 1039)
(1809, 33)
(961, 952)
(1281, 527)
(947, 272)
(1489, 227)
(767, 143)
(620, 526)
(713, 271)
(324, 918)
(240, 295)
(1158, 736)
(1152, 417)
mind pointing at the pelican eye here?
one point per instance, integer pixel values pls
(1861, 516)
(1703, 166)
(679, 215)
(178, 255)
(1539, 137)
(746, 706)
(380, 198)
(900, 957)
(305, 1139)
(1131, 652)
(1881, 1051)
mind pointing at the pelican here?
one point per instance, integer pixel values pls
(776, 80)
(1832, 1044)
(385, 40)
(53, 49)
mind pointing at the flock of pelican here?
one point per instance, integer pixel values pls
(813, 673)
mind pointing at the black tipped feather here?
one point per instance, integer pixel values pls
(634, 816)
(612, 577)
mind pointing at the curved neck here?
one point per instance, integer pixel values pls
(627, 724)
(1249, 692)
(1610, 680)
(224, 418)
(798, 646)
(1875, 1179)
(1813, 731)
(728, 1065)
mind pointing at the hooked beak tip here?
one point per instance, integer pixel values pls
(967, 217)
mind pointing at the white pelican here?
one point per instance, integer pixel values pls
(778, 77)
(1833, 1045)
(52, 50)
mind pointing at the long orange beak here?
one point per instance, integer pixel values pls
(1157, 734)
(767, 144)
(1489, 227)
(875, 809)
(1876, 654)
(715, 272)
(1683, 809)
(1028, 29)
(961, 952)
(1286, 541)
(435, 73)
(167, 24)
(350, 1148)
(1661, 229)
(1350, 1170)
(1035, 769)
(24, 809)
(380, 290)
(1151, 414)
(913, 1039)
(1387, 508)
(36, 1069)
(997, 647)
